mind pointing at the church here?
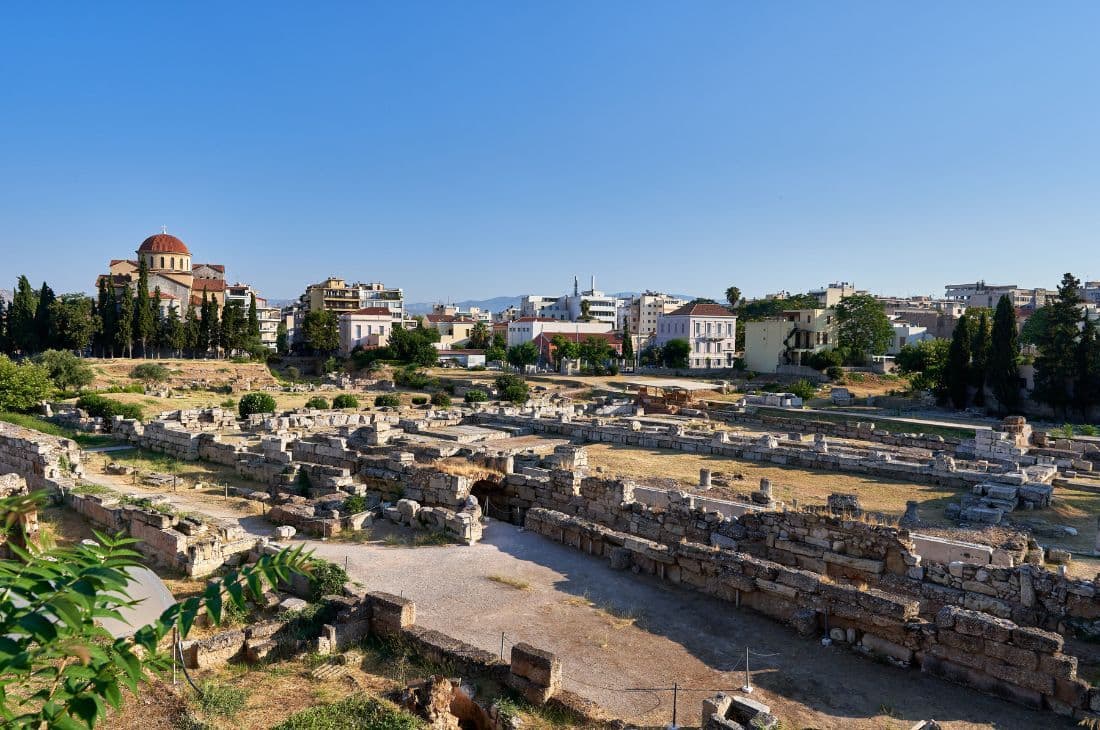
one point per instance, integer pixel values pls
(169, 265)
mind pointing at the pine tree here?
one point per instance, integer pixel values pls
(980, 347)
(124, 332)
(628, 347)
(1056, 363)
(1087, 389)
(21, 318)
(44, 327)
(144, 320)
(957, 373)
(1003, 372)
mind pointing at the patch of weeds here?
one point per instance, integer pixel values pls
(89, 488)
(222, 700)
(507, 580)
(398, 660)
(429, 539)
(357, 712)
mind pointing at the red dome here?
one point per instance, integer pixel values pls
(163, 243)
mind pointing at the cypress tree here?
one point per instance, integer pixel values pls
(1003, 372)
(215, 327)
(192, 330)
(1056, 363)
(628, 347)
(979, 353)
(110, 321)
(957, 373)
(144, 321)
(1087, 388)
(44, 326)
(203, 342)
(253, 318)
(124, 331)
(158, 333)
(21, 318)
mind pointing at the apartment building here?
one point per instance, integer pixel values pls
(367, 328)
(710, 330)
(642, 311)
(980, 294)
(788, 338)
(268, 317)
(591, 304)
(829, 296)
(336, 295)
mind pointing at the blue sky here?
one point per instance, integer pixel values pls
(465, 150)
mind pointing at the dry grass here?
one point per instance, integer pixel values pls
(807, 486)
(508, 580)
(616, 617)
(458, 466)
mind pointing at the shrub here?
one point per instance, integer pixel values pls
(410, 377)
(22, 386)
(356, 712)
(355, 504)
(256, 403)
(475, 396)
(804, 389)
(835, 372)
(345, 401)
(389, 400)
(326, 579)
(105, 408)
(441, 399)
(318, 402)
(419, 400)
(150, 371)
(229, 404)
(825, 359)
(66, 370)
(512, 388)
(293, 373)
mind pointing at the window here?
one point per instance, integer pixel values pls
(173, 260)
(162, 262)
(358, 331)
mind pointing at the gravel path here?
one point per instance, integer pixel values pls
(616, 632)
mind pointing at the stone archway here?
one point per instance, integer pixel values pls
(491, 497)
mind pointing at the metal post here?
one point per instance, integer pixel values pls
(747, 689)
(502, 646)
(675, 692)
(345, 563)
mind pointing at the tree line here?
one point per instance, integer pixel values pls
(125, 323)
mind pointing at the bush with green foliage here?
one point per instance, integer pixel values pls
(256, 403)
(326, 579)
(824, 359)
(106, 408)
(441, 399)
(411, 377)
(675, 353)
(419, 400)
(475, 396)
(150, 372)
(512, 388)
(319, 402)
(345, 400)
(293, 373)
(835, 372)
(388, 400)
(804, 389)
(355, 504)
(22, 386)
(222, 700)
(66, 370)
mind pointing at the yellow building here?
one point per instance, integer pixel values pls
(788, 338)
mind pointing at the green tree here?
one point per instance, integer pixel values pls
(74, 322)
(481, 337)
(65, 370)
(924, 362)
(192, 330)
(255, 403)
(628, 347)
(59, 667)
(173, 332)
(22, 387)
(21, 318)
(1004, 357)
(498, 350)
(44, 329)
(1055, 365)
(863, 328)
(595, 351)
(1087, 389)
(522, 355)
(956, 374)
(980, 348)
(202, 344)
(125, 330)
(733, 296)
(253, 319)
(107, 310)
(282, 339)
(1034, 326)
(319, 330)
(512, 388)
(586, 309)
(564, 349)
(675, 353)
(144, 320)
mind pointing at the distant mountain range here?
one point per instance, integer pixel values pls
(496, 304)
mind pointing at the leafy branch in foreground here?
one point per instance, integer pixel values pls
(58, 668)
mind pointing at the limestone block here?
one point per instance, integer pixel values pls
(284, 532)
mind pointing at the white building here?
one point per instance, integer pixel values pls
(710, 330)
(268, 317)
(592, 303)
(980, 294)
(368, 328)
(907, 334)
(526, 329)
(830, 296)
(642, 311)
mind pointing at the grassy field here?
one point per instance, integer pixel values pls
(35, 423)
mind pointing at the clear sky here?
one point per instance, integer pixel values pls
(472, 149)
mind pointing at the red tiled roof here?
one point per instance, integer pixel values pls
(128, 261)
(447, 318)
(201, 284)
(166, 295)
(373, 311)
(702, 310)
(163, 243)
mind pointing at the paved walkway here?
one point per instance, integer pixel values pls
(617, 632)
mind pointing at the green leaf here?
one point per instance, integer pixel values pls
(86, 708)
(38, 627)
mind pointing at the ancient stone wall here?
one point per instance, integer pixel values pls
(44, 461)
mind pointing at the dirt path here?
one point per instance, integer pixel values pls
(617, 632)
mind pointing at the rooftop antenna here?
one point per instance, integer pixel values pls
(164, 229)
